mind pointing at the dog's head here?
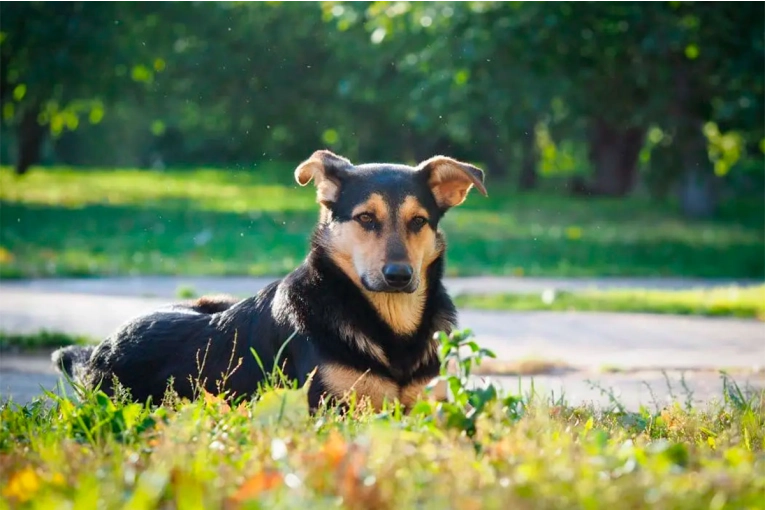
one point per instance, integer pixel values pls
(379, 222)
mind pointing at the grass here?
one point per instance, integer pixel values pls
(480, 451)
(40, 340)
(256, 221)
(747, 302)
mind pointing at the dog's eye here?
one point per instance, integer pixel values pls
(418, 222)
(365, 218)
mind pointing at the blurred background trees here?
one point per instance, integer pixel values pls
(604, 99)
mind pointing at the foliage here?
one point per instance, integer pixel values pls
(503, 83)
(67, 60)
(748, 302)
(567, 64)
(62, 221)
(513, 450)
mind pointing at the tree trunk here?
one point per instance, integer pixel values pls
(697, 183)
(614, 154)
(30, 139)
(528, 178)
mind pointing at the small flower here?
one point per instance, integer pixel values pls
(334, 449)
(257, 484)
(22, 485)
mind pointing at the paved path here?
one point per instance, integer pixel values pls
(587, 341)
(24, 377)
(167, 286)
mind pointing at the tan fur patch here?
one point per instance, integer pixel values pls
(364, 344)
(375, 205)
(402, 312)
(416, 391)
(411, 208)
(341, 381)
(214, 303)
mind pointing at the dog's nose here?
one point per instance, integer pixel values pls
(397, 275)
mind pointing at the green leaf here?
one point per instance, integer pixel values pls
(19, 92)
(330, 136)
(461, 77)
(692, 52)
(96, 113)
(158, 128)
(141, 74)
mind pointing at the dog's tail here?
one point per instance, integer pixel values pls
(68, 359)
(213, 304)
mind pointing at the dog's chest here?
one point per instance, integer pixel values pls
(400, 357)
(340, 382)
(399, 374)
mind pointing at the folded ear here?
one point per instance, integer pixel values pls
(326, 169)
(450, 180)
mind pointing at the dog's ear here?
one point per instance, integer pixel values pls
(327, 170)
(450, 180)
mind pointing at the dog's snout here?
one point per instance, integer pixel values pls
(397, 275)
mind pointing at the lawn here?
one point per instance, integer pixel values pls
(40, 340)
(747, 302)
(255, 221)
(509, 451)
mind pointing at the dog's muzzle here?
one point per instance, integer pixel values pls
(394, 277)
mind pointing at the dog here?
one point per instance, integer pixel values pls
(361, 313)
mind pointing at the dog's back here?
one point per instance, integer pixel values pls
(209, 304)
(69, 358)
(201, 340)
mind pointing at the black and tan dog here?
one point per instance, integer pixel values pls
(362, 309)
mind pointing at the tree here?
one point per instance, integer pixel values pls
(618, 69)
(62, 60)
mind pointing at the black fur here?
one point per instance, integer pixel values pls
(313, 300)
(208, 338)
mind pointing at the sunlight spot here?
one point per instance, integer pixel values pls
(574, 233)
(548, 296)
(278, 449)
(291, 481)
(378, 35)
